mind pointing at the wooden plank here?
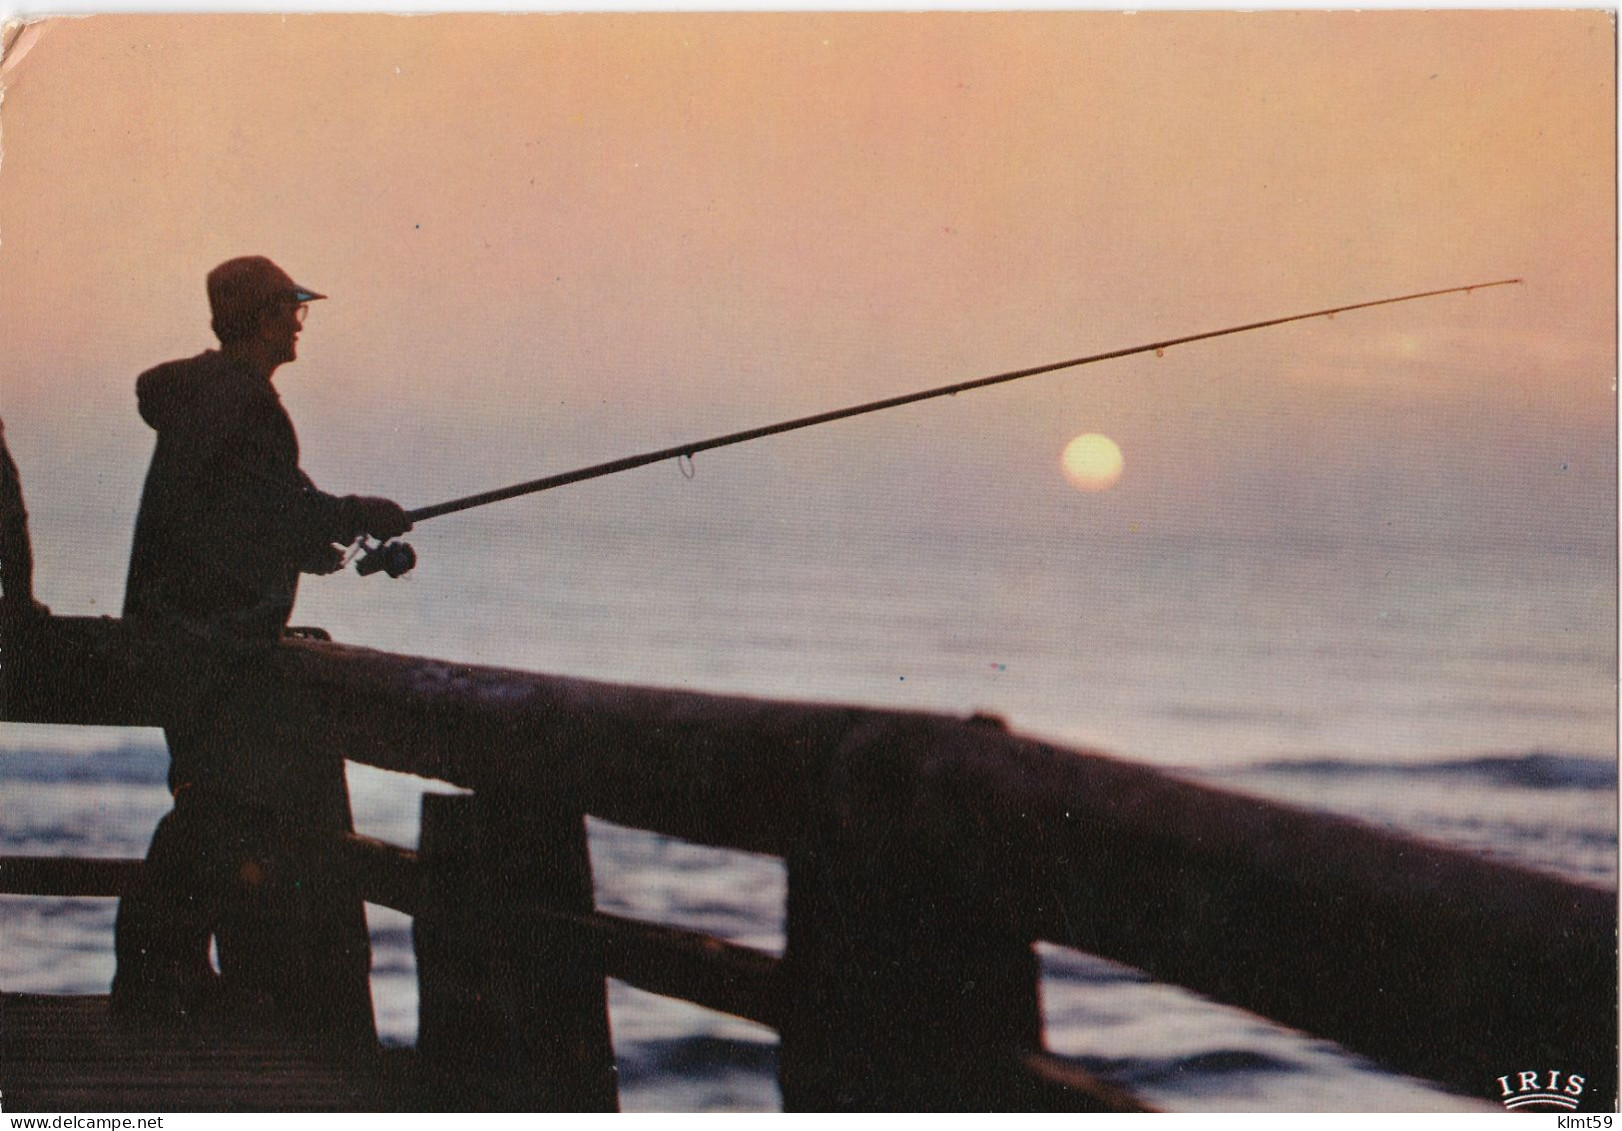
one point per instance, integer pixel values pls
(513, 1008)
(711, 972)
(906, 985)
(65, 1054)
(383, 873)
(655, 957)
(67, 876)
(87, 670)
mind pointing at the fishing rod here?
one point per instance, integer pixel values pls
(395, 558)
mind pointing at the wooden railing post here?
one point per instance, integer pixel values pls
(514, 1010)
(909, 982)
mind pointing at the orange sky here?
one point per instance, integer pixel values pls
(553, 240)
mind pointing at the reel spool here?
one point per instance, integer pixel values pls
(393, 558)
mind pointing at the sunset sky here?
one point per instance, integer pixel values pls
(555, 240)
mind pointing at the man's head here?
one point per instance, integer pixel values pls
(256, 305)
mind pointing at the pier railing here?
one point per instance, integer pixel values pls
(925, 856)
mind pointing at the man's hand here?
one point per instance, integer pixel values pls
(321, 558)
(380, 518)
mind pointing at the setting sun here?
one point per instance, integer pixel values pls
(1092, 462)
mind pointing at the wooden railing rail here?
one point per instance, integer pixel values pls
(925, 854)
(672, 961)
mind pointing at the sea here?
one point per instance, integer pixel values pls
(1462, 694)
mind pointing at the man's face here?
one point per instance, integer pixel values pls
(279, 328)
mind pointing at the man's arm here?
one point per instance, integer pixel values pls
(333, 520)
(276, 503)
(344, 518)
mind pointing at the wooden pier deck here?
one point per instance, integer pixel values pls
(64, 1053)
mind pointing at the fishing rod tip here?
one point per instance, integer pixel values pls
(1474, 287)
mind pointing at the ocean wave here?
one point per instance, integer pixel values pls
(698, 1055)
(1201, 1069)
(131, 763)
(1532, 770)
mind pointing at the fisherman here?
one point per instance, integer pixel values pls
(20, 614)
(227, 523)
(16, 551)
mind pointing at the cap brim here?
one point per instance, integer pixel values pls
(302, 295)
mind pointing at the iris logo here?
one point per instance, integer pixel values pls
(1533, 1092)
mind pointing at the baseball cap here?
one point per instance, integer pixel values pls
(239, 289)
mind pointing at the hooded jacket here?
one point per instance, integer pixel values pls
(16, 551)
(227, 519)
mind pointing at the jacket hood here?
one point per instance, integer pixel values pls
(181, 393)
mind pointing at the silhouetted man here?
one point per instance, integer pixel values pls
(20, 614)
(227, 523)
(16, 551)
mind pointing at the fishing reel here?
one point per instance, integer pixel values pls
(393, 558)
